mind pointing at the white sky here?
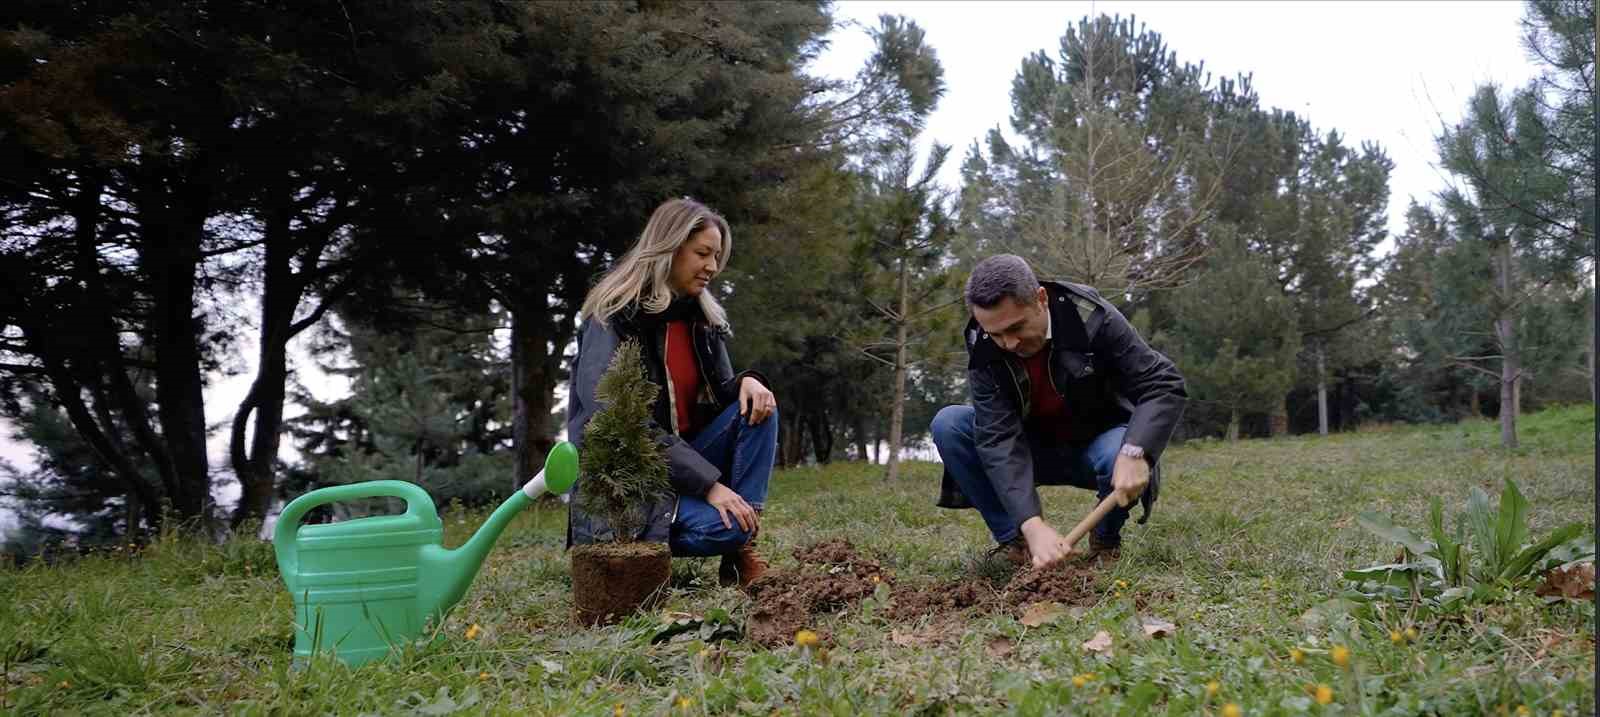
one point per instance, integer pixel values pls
(1380, 71)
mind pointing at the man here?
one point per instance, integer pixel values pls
(1064, 392)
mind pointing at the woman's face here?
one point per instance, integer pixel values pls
(695, 263)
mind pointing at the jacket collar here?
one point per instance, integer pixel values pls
(1066, 329)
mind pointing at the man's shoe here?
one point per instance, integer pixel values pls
(1106, 550)
(743, 566)
(1014, 552)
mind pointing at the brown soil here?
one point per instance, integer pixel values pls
(612, 580)
(911, 603)
(832, 576)
(1070, 582)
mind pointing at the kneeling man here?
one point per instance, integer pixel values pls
(1064, 392)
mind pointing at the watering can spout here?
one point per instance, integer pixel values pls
(455, 569)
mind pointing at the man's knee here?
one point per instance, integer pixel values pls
(951, 423)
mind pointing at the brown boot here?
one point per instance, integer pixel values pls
(1104, 551)
(743, 566)
(1015, 552)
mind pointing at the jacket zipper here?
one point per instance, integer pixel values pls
(672, 393)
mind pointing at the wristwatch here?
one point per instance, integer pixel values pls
(1132, 451)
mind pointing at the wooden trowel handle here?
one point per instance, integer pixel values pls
(1092, 519)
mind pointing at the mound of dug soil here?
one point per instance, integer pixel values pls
(832, 576)
(1069, 583)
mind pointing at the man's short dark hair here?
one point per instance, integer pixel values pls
(998, 277)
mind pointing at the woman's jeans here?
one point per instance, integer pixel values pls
(745, 455)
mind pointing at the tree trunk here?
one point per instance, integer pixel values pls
(172, 232)
(1233, 425)
(533, 379)
(898, 412)
(822, 436)
(1322, 391)
(1278, 419)
(1505, 332)
(861, 438)
(280, 296)
(133, 509)
(1474, 405)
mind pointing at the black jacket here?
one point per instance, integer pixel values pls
(1102, 368)
(691, 473)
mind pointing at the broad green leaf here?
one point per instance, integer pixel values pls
(1511, 527)
(1381, 526)
(1446, 550)
(1524, 561)
(1574, 550)
(1480, 520)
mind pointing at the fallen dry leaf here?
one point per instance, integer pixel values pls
(935, 633)
(1574, 581)
(1043, 613)
(1101, 642)
(1550, 641)
(1156, 627)
(998, 647)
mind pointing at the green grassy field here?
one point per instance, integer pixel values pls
(1245, 540)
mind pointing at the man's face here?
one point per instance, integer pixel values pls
(1017, 327)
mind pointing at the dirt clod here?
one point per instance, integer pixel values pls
(832, 576)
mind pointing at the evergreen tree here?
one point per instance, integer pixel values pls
(622, 466)
(1234, 332)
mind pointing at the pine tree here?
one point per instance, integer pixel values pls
(622, 468)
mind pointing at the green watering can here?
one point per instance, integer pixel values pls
(365, 587)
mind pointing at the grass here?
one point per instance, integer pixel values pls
(1245, 542)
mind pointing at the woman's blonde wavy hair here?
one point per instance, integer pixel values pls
(643, 273)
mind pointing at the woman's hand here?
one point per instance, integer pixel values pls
(755, 401)
(726, 501)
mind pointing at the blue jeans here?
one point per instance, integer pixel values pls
(745, 454)
(1087, 466)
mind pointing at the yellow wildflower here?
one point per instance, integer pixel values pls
(1079, 680)
(1523, 710)
(483, 675)
(1340, 655)
(685, 703)
(474, 631)
(1324, 694)
(1297, 656)
(616, 710)
(1231, 710)
(1122, 583)
(64, 684)
(806, 638)
(1212, 688)
(1411, 633)
(1396, 637)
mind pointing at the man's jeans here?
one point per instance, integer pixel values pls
(1081, 465)
(745, 454)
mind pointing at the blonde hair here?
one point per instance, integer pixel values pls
(643, 273)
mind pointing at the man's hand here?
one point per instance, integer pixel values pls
(728, 503)
(755, 401)
(1044, 543)
(1129, 478)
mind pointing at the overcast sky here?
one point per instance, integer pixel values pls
(1379, 71)
(1375, 71)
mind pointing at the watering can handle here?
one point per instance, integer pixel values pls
(283, 535)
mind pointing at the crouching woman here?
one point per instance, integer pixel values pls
(719, 429)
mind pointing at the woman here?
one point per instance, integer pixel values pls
(719, 429)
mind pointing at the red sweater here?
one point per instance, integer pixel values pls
(1046, 408)
(685, 373)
